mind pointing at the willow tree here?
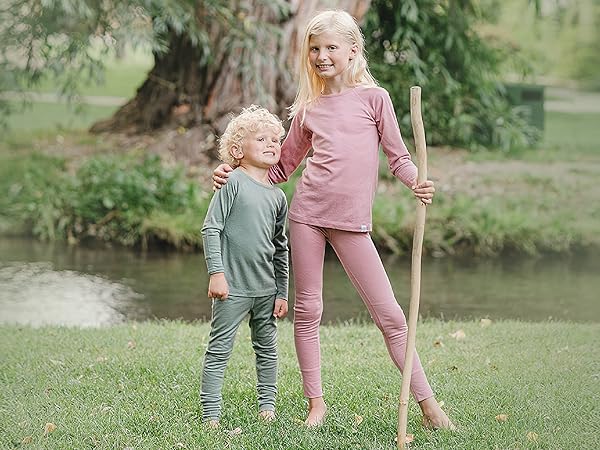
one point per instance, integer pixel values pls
(237, 53)
(210, 56)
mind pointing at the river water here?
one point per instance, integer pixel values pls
(53, 283)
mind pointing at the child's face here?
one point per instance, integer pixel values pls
(330, 55)
(261, 149)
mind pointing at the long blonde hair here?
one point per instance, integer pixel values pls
(310, 84)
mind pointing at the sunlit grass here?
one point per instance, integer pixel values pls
(138, 386)
(41, 116)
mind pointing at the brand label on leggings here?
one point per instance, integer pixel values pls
(364, 228)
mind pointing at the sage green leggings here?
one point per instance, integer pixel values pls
(226, 318)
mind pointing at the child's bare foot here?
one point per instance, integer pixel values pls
(316, 412)
(213, 424)
(434, 416)
(267, 416)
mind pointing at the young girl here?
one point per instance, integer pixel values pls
(343, 115)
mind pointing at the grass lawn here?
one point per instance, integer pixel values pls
(572, 135)
(136, 386)
(122, 76)
(55, 116)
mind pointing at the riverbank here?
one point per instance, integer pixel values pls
(506, 384)
(75, 186)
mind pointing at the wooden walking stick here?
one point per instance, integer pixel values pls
(415, 276)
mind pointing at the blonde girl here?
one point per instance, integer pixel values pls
(343, 116)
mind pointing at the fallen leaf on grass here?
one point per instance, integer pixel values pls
(458, 335)
(131, 344)
(180, 445)
(502, 417)
(49, 428)
(235, 432)
(533, 437)
(27, 440)
(485, 323)
(357, 419)
(438, 343)
(101, 359)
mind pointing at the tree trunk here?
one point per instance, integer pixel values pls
(183, 90)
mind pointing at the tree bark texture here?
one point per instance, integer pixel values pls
(185, 89)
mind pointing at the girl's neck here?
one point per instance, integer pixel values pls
(335, 87)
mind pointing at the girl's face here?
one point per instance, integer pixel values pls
(329, 55)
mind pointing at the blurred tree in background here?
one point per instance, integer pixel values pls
(213, 56)
(559, 39)
(434, 44)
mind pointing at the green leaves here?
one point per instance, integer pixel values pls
(108, 198)
(433, 44)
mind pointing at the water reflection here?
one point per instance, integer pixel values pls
(96, 285)
(35, 294)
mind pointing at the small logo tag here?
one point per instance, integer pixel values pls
(364, 228)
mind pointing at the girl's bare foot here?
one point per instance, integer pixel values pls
(267, 416)
(316, 412)
(434, 416)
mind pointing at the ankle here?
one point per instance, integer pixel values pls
(267, 415)
(316, 403)
(429, 406)
(211, 423)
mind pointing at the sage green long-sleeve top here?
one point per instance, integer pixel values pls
(244, 237)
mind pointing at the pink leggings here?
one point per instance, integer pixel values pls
(361, 262)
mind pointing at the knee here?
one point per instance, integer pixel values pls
(308, 312)
(217, 354)
(265, 344)
(393, 323)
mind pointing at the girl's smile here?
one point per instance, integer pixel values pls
(330, 56)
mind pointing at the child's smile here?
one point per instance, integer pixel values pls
(330, 56)
(261, 149)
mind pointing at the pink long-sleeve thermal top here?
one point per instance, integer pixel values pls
(344, 130)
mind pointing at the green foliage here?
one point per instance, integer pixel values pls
(433, 44)
(578, 25)
(68, 42)
(109, 198)
(561, 41)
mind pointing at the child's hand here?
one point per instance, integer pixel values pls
(217, 286)
(424, 192)
(220, 175)
(281, 308)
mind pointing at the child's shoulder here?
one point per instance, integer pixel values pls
(279, 191)
(375, 97)
(237, 177)
(282, 198)
(373, 92)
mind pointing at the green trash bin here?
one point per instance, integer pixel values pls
(531, 98)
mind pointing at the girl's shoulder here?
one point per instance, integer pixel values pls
(376, 97)
(372, 92)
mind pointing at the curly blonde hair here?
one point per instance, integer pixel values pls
(248, 121)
